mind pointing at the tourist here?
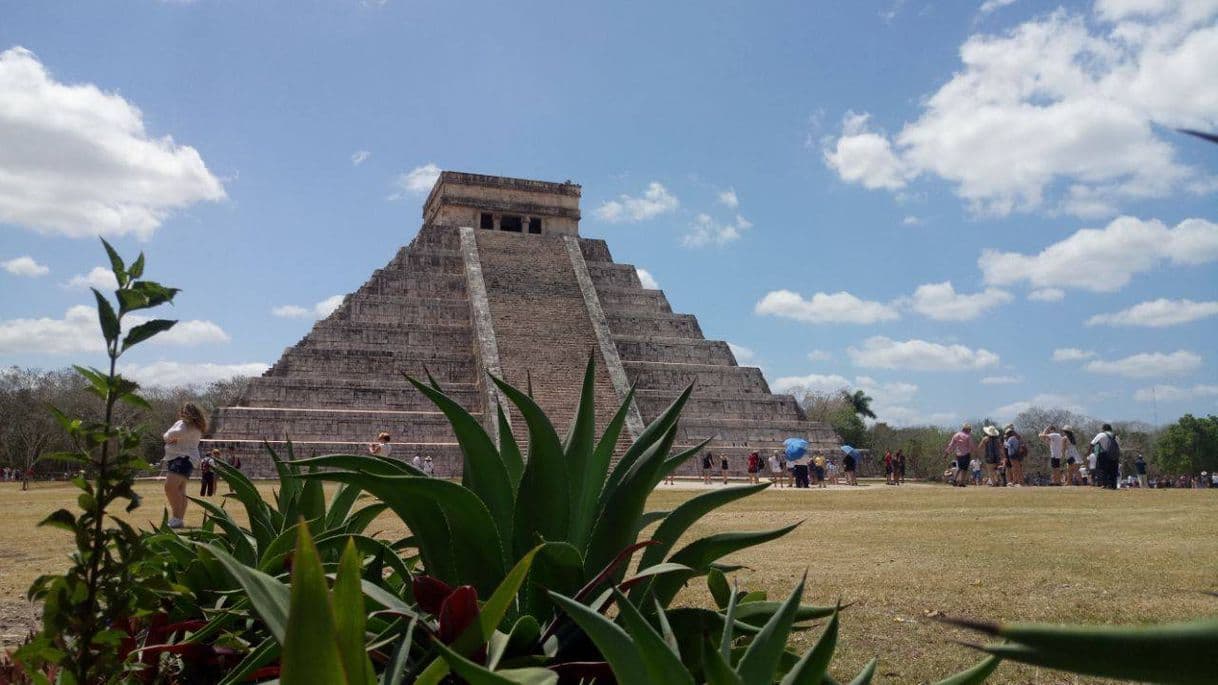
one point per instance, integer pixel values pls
(818, 468)
(417, 462)
(1073, 462)
(776, 471)
(850, 466)
(429, 467)
(1083, 475)
(974, 467)
(207, 474)
(991, 451)
(888, 467)
(754, 466)
(1016, 450)
(1139, 466)
(1057, 443)
(181, 453)
(1107, 450)
(960, 447)
(1092, 468)
(900, 466)
(381, 448)
(799, 469)
(723, 467)
(707, 460)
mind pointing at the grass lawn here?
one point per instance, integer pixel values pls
(1037, 554)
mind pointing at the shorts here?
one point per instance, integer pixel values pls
(752, 469)
(180, 466)
(849, 463)
(1071, 461)
(820, 473)
(991, 459)
(962, 461)
(1055, 462)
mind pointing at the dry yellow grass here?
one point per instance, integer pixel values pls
(1040, 554)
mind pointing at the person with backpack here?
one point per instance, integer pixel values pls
(1107, 451)
(1016, 450)
(207, 470)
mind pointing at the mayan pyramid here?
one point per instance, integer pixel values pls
(499, 281)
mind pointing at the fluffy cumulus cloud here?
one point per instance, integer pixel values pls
(993, 5)
(174, 374)
(1071, 354)
(1008, 412)
(941, 302)
(880, 352)
(77, 161)
(1158, 313)
(891, 401)
(1047, 295)
(647, 279)
(1066, 112)
(743, 354)
(1149, 365)
(1105, 259)
(99, 277)
(728, 199)
(318, 311)
(417, 181)
(706, 231)
(25, 266)
(1175, 393)
(655, 201)
(839, 307)
(819, 356)
(1001, 380)
(78, 332)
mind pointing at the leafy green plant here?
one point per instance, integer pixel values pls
(90, 612)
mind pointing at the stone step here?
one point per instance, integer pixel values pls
(658, 324)
(622, 300)
(331, 393)
(661, 375)
(385, 366)
(418, 310)
(682, 350)
(652, 403)
(257, 463)
(331, 424)
(742, 432)
(415, 282)
(595, 250)
(435, 336)
(611, 275)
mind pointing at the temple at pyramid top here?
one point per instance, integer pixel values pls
(499, 282)
(498, 203)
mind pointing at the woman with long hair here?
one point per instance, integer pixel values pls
(1073, 461)
(181, 456)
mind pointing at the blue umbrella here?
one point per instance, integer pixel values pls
(795, 448)
(858, 456)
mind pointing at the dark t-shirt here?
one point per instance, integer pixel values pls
(1140, 466)
(706, 461)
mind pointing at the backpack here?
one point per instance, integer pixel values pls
(1022, 450)
(1114, 450)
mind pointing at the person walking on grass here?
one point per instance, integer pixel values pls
(960, 447)
(992, 456)
(1139, 467)
(974, 468)
(1107, 450)
(850, 468)
(818, 466)
(1016, 450)
(900, 467)
(776, 474)
(181, 455)
(1057, 449)
(207, 474)
(888, 480)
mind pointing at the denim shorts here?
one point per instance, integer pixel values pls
(180, 466)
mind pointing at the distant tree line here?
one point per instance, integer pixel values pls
(29, 432)
(1188, 446)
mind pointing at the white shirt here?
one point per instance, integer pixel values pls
(1056, 441)
(1091, 461)
(1104, 440)
(428, 467)
(418, 463)
(774, 467)
(974, 465)
(187, 444)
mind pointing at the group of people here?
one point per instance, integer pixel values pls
(11, 473)
(382, 447)
(812, 469)
(998, 460)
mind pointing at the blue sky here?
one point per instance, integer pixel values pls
(962, 208)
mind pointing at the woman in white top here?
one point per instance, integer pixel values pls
(181, 456)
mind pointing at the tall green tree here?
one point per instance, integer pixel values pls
(1189, 445)
(860, 402)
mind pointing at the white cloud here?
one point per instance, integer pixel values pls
(814, 382)
(656, 200)
(863, 156)
(1071, 354)
(417, 181)
(1149, 365)
(1008, 412)
(1047, 295)
(992, 5)
(911, 220)
(743, 354)
(1061, 113)
(1175, 393)
(1001, 380)
(890, 400)
(819, 356)
(706, 231)
(840, 307)
(98, 277)
(77, 161)
(941, 302)
(649, 282)
(78, 332)
(919, 355)
(728, 199)
(25, 266)
(318, 311)
(1105, 259)
(173, 374)
(359, 157)
(1157, 314)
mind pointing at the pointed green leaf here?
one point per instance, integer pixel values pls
(653, 433)
(662, 663)
(116, 264)
(716, 669)
(613, 642)
(509, 449)
(761, 659)
(349, 618)
(236, 537)
(974, 675)
(729, 623)
(340, 505)
(266, 652)
(701, 553)
(865, 675)
(720, 591)
(579, 446)
(395, 672)
(812, 667)
(310, 649)
(106, 318)
(269, 597)
(146, 330)
(474, 674)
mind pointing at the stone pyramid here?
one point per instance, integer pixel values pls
(499, 281)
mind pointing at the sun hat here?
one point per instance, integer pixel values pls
(990, 431)
(1068, 429)
(966, 427)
